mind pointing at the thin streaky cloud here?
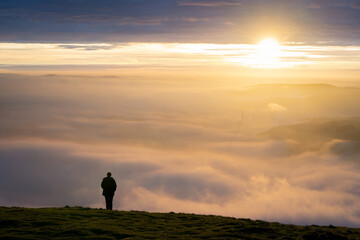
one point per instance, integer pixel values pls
(208, 3)
(355, 4)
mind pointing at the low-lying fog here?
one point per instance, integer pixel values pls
(287, 153)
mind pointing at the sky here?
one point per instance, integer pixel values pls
(197, 21)
(241, 108)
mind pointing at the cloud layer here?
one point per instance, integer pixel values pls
(186, 148)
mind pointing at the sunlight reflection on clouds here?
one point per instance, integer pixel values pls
(174, 55)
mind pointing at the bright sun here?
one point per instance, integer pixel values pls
(269, 48)
(267, 55)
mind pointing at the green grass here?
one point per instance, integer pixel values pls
(87, 223)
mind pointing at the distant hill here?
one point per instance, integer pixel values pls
(294, 90)
(304, 101)
(87, 223)
(344, 134)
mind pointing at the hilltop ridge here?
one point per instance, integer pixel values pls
(87, 223)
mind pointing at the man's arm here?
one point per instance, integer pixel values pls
(102, 184)
(114, 185)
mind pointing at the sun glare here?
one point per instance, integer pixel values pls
(267, 54)
(269, 48)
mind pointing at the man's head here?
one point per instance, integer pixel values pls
(109, 174)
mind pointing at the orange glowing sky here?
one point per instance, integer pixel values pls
(280, 59)
(205, 36)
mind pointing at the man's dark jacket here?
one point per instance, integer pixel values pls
(108, 185)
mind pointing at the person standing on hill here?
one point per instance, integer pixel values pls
(108, 185)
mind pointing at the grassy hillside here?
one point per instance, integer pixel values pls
(87, 223)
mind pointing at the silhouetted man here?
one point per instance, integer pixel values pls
(108, 185)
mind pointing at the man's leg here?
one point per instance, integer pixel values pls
(111, 202)
(109, 199)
